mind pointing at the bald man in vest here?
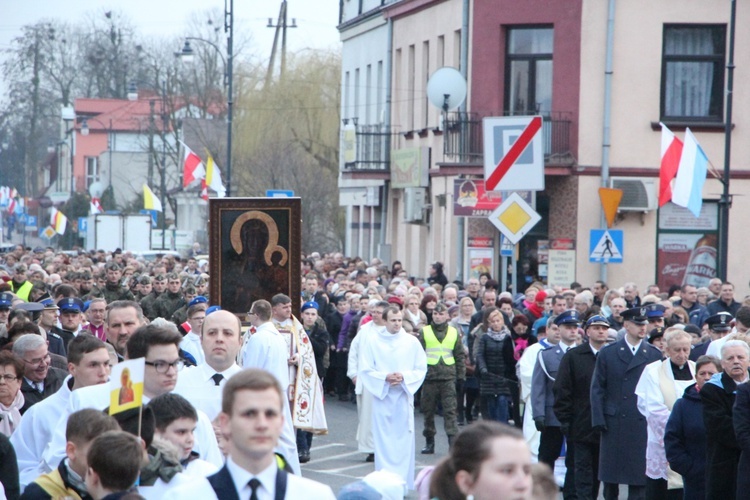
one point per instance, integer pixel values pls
(445, 366)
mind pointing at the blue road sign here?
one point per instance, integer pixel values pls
(279, 193)
(154, 216)
(83, 225)
(605, 245)
(31, 221)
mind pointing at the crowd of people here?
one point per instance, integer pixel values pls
(631, 389)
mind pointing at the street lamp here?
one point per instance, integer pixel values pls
(187, 55)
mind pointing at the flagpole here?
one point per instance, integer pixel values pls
(725, 202)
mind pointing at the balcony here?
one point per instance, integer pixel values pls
(462, 139)
(371, 151)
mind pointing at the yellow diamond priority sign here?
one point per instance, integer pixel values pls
(514, 218)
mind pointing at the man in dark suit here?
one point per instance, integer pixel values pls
(572, 391)
(40, 380)
(252, 419)
(614, 409)
(542, 397)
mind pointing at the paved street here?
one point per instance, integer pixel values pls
(335, 459)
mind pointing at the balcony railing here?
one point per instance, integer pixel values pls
(462, 139)
(373, 145)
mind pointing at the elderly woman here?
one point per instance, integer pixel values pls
(414, 317)
(685, 436)
(493, 348)
(609, 296)
(470, 389)
(661, 384)
(11, 397)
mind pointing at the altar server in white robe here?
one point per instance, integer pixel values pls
(661, 384)
(393, 368)
(220, 343)
(88, 364)
(365, 441)
(160, 347)
(267, 350)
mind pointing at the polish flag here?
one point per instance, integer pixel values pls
(671, 151)
(204, 189)
(691, 175)
(192, 168)
(96, 206)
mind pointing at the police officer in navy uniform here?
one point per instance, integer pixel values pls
(719, 326)
(68, 305)
(655, 315)
(614, 409)
(543, 399)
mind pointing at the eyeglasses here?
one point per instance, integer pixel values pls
(8, 378)
(38, 361)
(163, 366)
(250, 313)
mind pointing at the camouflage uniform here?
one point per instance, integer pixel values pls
(167, 303)
(147, 304)
(110, 293)
(440, 385)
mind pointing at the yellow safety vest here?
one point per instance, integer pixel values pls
(24, 290)
(436, 350)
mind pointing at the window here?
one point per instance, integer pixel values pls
(528, 71)
(692, 78)
(92, 170)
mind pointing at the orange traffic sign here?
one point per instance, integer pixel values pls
(610, 199)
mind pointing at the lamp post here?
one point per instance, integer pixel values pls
(187, 55)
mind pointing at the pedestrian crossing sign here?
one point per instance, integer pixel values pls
(606, 246)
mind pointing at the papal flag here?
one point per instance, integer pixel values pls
(150, 201)
(126, 385)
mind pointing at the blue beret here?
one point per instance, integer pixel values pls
(597, 320)
(212, 309)
(6, 300)
(200, 299)
(310, 305)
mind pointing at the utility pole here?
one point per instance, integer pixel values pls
(280, 26)
(164, 124)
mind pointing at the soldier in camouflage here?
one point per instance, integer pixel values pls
(171, 300)
(112, 290)
(180, 315)
(158, 286)
(445, 366)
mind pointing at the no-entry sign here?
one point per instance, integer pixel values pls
(513, 153)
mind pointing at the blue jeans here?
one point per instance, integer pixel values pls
(304, 440)
(496, 408)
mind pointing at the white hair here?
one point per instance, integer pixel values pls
(28, 342)
(728, 344)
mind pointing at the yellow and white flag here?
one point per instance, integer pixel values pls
(150, 201)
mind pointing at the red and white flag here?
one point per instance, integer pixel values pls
(204, 189)
(671, 151)
(96, 206)
(192, 167)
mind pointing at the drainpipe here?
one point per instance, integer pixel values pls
(387, 127)
(607, 116)
(464, 61)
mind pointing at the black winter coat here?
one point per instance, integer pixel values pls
(572, 391)
(320, 342)
(495, 365)
(722, 451)
(741, 418)
(685, 443)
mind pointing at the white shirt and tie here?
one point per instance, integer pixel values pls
(633, 348)
(202, 386)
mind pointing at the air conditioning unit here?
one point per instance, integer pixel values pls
(638, 195)
(414, 205)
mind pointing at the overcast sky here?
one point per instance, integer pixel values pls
(316, 19)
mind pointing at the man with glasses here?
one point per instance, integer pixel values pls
(40, 380)
(191, 342)
(95, 314)
(160, 348)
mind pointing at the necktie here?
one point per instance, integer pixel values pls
(39, 387)
(217, 378)
(254, 484)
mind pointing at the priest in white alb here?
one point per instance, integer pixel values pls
(661, 384)
(393, 367)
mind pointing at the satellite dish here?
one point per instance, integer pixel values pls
(446, 88)
(96, 189)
